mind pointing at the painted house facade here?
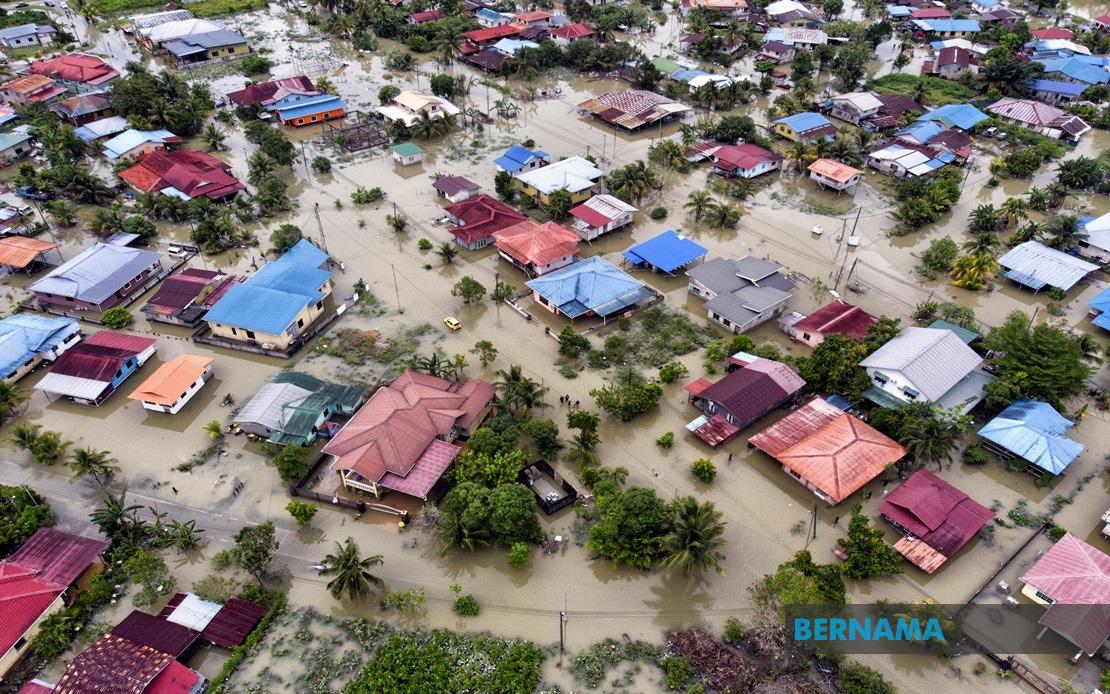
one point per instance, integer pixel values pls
(855, 107)
(98, 278)
(27, 36)
(804, 127)
(174, 383)
(600, 215)
(926, 365)
(744, 161)
(476, 220)
(91, 371)
(576, 175)
(537, 249)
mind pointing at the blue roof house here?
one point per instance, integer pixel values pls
(1034, 432)
(518, 159)
(961, 116)
(27, 340)
(277, 304)
(305, 109)
(1076, 69)
(130, 145)
(591, 287)
(1056, 91)
(666, 252)
(804, 127)
(491, 18)
(947, 28)
(1100, 309)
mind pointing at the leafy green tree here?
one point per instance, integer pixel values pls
(704, 470)
(292, 462)
(583, 420)
(696, 537)
(23, 512)
(881, 332)
(545, 436)
(505, 186)
(512, 517)
(350, 571)
(854, 678)
(489, 470)
(672, 371)
(485, 351)
(184, 535)
(519, 554)
(321, 164)
(572, 343)
(849, 65)
(117, 519)
(49, 448)
(117, 317)
(13, 399)
(799, 582)
(1080, 173)
(1041, 362)
(150, 571)
(559, 204)
(470, 289)
(629, 397)
(938, 257)
(285, 237)
(868, 553)
(255, 549)
(632, 527)
(833, 367)
(302, 511)
(443, 85)
(387, 92)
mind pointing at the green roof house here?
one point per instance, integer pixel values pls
(407, 153)
(292, 407)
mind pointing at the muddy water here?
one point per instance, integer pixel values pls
(760, 503)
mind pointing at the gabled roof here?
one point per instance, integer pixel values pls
(311, 105)
(1074, 573)
(172, 379)
(81, 105)
(179, 290)
(601, 210)
(1077, 68)
(1036, 432)
(187, 172)
(20, 251)
(204, 41)
(98, 358)
(263, 91)
(24, 335)
(291, 404)
(451, 185)
(1035, 265)
(426, 16)
(572, 31)
(803, 123)
(75, 67)
(962, 116)
(953, 55)
(947, 25)
(573, 174)
(126, 666)
(829, 448)
(491, 33)
(745, 156)
(102, 127)
(56, 556)
(833, 169)
(861, 101)
(25, 30)
(34, 87)
(128, 140)
(593, 284)
(933, 361)
(668, 251)
(96, 273)
(151, 631)
(169, 31)
(1101, 304)
(1053, 33)
(536, 244)
(1057, 87)
(755, 390)
(481, 216)
(632, 108)
(837, 317)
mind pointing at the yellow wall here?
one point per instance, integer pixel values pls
(307, 315)
(784, 130)
(545, 199)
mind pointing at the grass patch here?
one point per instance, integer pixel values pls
(652, 339)
(937, 91)
(217, 8)
(356, 347)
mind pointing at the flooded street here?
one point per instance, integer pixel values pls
(761, 504)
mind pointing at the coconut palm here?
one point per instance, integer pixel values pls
(106, 221)
(99, 465)
(983, 218)
(633, 181)
(582, 449)
(214, 429)
(63, 213)
(974, 270)
(1062, 232)
(326, 85)
(801, 155)
(455, 534)
(115, 516)
(1013, 211)
(214, 137)
(723, 215)
(12, 400)
(1027, 232)
(985, 242)
(49, 448)
(447, 252)
(929, 440)
(699, 202)
(696, 537)
(519, 392)
(428, 127)
(24, 436)
(350, 571)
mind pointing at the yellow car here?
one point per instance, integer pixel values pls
(452, 323)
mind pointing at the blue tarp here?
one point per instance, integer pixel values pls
(24, 335)
(593, 284)
(1101, 303)
(1034, 431)
(962, 116)
(667, 252)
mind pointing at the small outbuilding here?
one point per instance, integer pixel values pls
(455, 188)
(1035, 265)
(667, 252)
(407, 153)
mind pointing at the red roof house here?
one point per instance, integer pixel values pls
(183, 299)
(1074, 579)
(930, 13)
(75, 70)
(157, 633)
(746, 160)
(401, 439)
(1049, 33)
(478, 218)
(837, 317)
(537, 249)
(740, 398)
(183, 173)
(175, 679)
(113, 664)
(93, 369)
(828, 450)
(264, 92)
(937, 519)
(226, 625)
(480, 37)
(571, 33)
(426, 16)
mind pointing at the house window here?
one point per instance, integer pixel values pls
(1044, 597)
(20, 643)
(806, 336)
(320, 304)
(300, 323)
(881, 379)
(910, 393)
(250, 334)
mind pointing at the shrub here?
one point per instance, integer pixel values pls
(673, 371)
(386, 93)
(734, 631)
(1057, 294)
(975, 455)
(424, 245)
(255, 65)
(678, 671)
(1056, 532)
(571, 344)
(467, 606)
(860, 679)
(658, 213)
(704, 470)
(321, 164)
(407, 602)
(519, 554)
(292, 462)
(302, 511)
(117, 317)
(666, 440)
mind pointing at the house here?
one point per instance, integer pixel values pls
(105, 127)
(490, 18)
(267, 92)
(1049, 33)
(77, 72)
(740, 294)
(1076, 69)
(7, 115)
(576, 175)
(633, 109)
(38, 580)
(936, 519)
(132, 145)
(741, 398)
(518, 159)
(906, 161)
(934, 139)
(1073, 579)
(455, 188)
(799, 38)
(477, 219)
(929, 13)
(185, 297)
(297, 110)
(147, 21)
(410, 106)
(1056, 91)
(1101, 22)
(926, 365)
(425, 16)
(90, 371)
(829, 451)
(534, 18)
(509, 47)
(480, 38)
(154, 38)
(537, 249)
(838, 317)
(961, 116)
(830, 173)
(1041, 118)
(185, 174)
(30, 89)
(96, 279)
(1097, 244)
(894, 108)
(14, 146)
(553, 492)
(486, 59)
(27, 340)
(27, 36)
(1035, 265)
(537, 33)
(407, 153)
(791, 13)
(855, 107)
(950, 63)
(83, 108)
(276, 305)
(667, 252)
(777, 51)
(227, 625)
(804, 127)
(174, 383)
(292, 408)
(590, 287)
(23, 252)
(733, 7)
(403, 438)
(568, 34)
(600, 215)
(745, 160)
(1034, 432)
(946, 28)
(218, 45)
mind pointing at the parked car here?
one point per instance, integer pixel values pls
(25, 210)
(30, 193)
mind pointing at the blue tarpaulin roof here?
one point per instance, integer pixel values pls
(1101, 303)
(962, 116)
(24, 335)
(922, 131)
(271, 298)
(667, 252)
(1034, 431)
(593, 284)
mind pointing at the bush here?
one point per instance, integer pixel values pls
(519, 554)
(386, 93)
(860, 679)
(666, 440)
(292, 462)
(658, 213)
(302, 511)
(704, 470)
(321, 164)
(407, 602)
(678, 671)
(975, 455)
(467, 606)
(1056, 533)
(117, 317)
(571, 344)
(734, 631)
(673, 371)
(424, 245)
(255, 65)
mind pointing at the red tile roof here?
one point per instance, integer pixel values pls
(257, 93)
(100, 356)
(537, 244)
(481, 217)
(113, 665)
(755, 390)
(393, 430)
(829, 448)
(193, 173)
(745, 156)
(837, 317)
(491, 33)
(534, 16)
(572, 31)
(75, 67)
(157, 633)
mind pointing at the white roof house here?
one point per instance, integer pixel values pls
(926, 365)
(171, 31)
(1036, 266)
(861, 101)
(573, 174)
(409, 105)
(1098, 233)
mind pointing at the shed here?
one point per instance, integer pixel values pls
(1035, 432)
(667, 252)
(24, 253)
(1036, 266)
(407, 153)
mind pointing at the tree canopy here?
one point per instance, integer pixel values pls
(1040, 361)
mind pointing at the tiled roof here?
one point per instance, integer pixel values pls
(482, 216)
(537, 244)
(75, 67)
(113, 665)
(572, 31)
(491, 33)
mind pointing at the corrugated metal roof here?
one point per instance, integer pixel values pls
(1036, 265)
(96, 273)
(928, 508)
(190, 611)
(933, 361)
(804, 122)
(668, 251)
(24, 335)
(126, 666)
(172, 379)
(153, 632)
(573, 174)
(57, 556)
(20, 251)
(1072, 572)
(1034, 431)
(593, 284)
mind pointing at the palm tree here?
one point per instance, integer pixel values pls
(214, 136)
(49, 448)
(428, 127)
(24, 436)
(633, 181)
(115, 515)
(699, 202)
(582, 451)
(1013, 210)
(1062, 232)
(519, 392)
(185, 536)
(63, 213)
(696, 537)
(984, 242)
(455, 534)
(106, 221)
(351, 571)
(1028, 232)
(974, 270)
(447, 252)
(325, 85)
(99, 465)
(12, 400)
(214, 429)
(801, 155)
(724, 216)
(929, 440)
(983, 218)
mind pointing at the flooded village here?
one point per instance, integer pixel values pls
(418, 346)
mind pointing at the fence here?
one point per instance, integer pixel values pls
(533, 477)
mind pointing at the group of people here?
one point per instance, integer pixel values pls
(565, 400)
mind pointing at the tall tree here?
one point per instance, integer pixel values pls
(99, 465)
(350, 571)
(255, 548)
(868, 553)
(695, 538)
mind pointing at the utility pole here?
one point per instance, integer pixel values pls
(320, 226)
(396, 289)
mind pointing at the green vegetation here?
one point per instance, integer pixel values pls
(117, 317)
(465, 605)
(799, 582)
(519, 555)
(677, 671)
(666, 440)
(255, 65)
(285, 237)
(275, 603)
(974, 455)
(938, 257)
(23, 512)
(704, 470)
(854, 678)
(408, 602)
(734, 631)
(629, 397)
(350, 571)
(1042, 362)
(868, 553)
(470, 289)
(928, 91)
(149, 571)
(302, 511)
(292, 462)
(672, 371)
(473, 515)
